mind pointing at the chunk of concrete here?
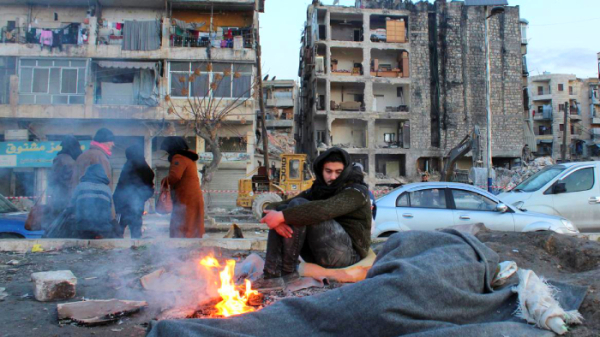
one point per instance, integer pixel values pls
(54, 285)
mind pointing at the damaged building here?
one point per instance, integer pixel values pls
(550, 96)
(72, 67)
(281, 98)
(399, 84)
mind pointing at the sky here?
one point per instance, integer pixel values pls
(564, 35)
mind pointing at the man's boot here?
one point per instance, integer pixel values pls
(269, 282)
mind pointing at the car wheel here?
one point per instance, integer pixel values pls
(386, 234)
(11, 236)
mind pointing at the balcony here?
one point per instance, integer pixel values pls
(280, 102)
(595, 120)
(545, 114)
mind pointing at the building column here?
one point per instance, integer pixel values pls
(166, 35)
(93, 31)
(328, 24)
(250, 150)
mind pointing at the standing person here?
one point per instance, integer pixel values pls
(63, 177)
(99, 152)
(328, 224)
(92, 201)
(187, 219)
(136, 185)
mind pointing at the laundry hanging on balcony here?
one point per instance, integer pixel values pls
(141, 35)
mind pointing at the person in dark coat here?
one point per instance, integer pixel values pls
(93, 202)
(63, 177)
(136, 185)
(187, 219)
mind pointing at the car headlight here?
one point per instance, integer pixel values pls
(519, 204)
(569, 225)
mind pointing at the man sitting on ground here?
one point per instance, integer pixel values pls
(329, 224)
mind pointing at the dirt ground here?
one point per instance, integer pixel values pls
(106, 274)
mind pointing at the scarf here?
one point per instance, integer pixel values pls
(102, 147)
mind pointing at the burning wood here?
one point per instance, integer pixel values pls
(234, 299)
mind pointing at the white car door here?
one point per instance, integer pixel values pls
(424, 209)
(580, 200)
(473, 208)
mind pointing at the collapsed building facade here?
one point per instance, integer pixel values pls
(72, 67)
(400, 84)
(281, 97)
(550, 96)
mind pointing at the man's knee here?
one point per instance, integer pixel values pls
(297, 202)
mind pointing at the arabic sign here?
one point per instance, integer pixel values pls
(207, 157)
(31, 154)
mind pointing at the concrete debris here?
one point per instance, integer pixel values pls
(162, 281)
(3, 294)
(54, 285)
(234, 232)
(506, 179)
(98, 311)
(13, 262)
(218, 210)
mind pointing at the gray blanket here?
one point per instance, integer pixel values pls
(422, 284)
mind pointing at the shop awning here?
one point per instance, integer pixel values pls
(127, 65)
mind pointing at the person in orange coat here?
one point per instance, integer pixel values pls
(187, 219)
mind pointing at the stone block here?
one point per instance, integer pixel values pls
(54, 285)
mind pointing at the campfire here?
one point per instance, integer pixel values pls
(235, 299)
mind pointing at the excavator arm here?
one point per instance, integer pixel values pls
(470, 142)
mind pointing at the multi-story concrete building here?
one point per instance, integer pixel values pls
(281, 97)
(400, 84)
(550, 94)
(72, 67)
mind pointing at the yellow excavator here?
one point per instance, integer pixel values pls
(259, 191)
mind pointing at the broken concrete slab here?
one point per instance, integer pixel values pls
(234, 232)
(54, 285)
(97, 312)
(148, 281)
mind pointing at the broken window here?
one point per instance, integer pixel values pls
(52, 81)
(223, 80)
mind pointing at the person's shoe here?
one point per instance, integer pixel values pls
(269, 284)
(291, 277)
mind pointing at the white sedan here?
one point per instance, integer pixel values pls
(434, 205)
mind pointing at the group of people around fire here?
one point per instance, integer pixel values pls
(80, 189)
(328, 224)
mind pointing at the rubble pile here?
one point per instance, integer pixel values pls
(506, 179)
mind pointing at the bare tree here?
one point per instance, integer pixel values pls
(206, 111)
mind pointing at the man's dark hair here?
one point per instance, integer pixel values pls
(334, 158)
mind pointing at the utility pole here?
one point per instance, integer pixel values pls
(488, 104)
(565, 132)
(261, 98)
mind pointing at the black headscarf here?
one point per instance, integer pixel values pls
(351, 175)
(135, 153)
(70, 145)
(177, 145)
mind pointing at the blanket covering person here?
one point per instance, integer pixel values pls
(63, 178)
(422, 284)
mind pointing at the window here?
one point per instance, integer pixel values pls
(52, 81)
(571, 92)
(465, 200)
(561, 87)
(222, 80)
(320, 136)
(295, 169)
(430, 198)
(562, 127)
(403, 201)
(561, 107)
(540, 90)
(540, 109)
(578, 181)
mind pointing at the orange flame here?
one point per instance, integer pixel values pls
(233, 302)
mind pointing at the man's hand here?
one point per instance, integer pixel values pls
(273, 218)
(276, 221)
(284, 230)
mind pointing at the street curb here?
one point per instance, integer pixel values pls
(26, 245)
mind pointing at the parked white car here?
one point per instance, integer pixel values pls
(570, 190)
(434, 205)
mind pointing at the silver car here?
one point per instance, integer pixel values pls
(434, 205)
